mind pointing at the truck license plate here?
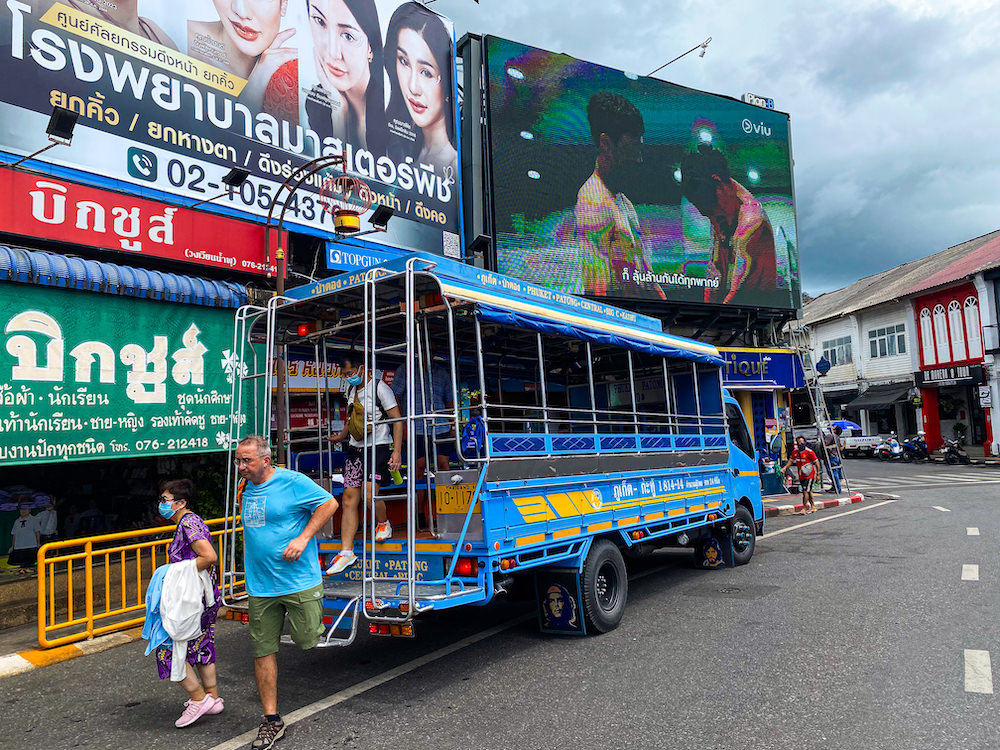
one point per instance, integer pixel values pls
(454, 498)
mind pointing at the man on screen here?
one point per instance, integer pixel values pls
(607, 225)
(742, 258)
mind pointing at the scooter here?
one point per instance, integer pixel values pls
(889, 449)
(915, 448)
(954, 453)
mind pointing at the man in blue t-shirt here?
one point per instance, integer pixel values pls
(281, 511)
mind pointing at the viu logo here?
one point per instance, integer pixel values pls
(756, 127)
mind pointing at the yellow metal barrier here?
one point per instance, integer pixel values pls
(70, 570)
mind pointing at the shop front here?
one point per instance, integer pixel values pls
(123, 373)
(884, 408)
(762, 381)
(956, 402)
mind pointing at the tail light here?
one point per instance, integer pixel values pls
(466, 566)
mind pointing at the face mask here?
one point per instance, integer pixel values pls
(354, 380)
(165, 510)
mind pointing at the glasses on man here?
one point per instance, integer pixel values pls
(244, 461)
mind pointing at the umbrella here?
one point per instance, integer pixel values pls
(846, 424)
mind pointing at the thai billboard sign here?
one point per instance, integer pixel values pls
(172, 94)
(92, 376)
(609, 184)
(34, 205)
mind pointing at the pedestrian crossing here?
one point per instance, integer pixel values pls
(918, 481)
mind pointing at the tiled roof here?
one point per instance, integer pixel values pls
(953, 264)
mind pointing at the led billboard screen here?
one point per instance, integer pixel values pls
(172, 94)
(613, 185)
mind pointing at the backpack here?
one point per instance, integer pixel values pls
(356, 415)
(472, 441)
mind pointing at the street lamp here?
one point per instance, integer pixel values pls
(59, 131)
(232, 180)
(703, 46)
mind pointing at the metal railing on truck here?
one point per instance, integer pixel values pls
(95, 585)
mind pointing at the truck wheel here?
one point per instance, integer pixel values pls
(744, 538)
(605, 587)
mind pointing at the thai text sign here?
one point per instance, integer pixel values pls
(40, 206)
(175, 95)
(88, 376)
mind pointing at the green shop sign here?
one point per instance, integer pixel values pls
(87, 376)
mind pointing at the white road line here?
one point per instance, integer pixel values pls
(970, 572)
(949, 480)
(972, 530)
(943, 510)
(828, 518)
(978, 672)
(372, 682)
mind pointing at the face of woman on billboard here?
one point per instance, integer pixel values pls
(340, 46)
(419, 78)
(251, 24)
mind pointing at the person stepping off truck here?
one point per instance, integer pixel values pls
(375, 398)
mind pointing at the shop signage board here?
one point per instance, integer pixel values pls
(984, 395)
(34, 205)
(950, 375)
(174, 106)
(91, 376)
(777, 368)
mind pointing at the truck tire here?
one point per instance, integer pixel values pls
(605, 587)
(743, 535)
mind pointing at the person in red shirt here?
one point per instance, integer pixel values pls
(807, 463)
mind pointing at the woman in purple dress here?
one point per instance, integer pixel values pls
(192, 541)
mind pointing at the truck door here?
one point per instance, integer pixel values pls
(746, 482)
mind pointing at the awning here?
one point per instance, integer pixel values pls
(50, 269)
(880, 396)
(637, 340)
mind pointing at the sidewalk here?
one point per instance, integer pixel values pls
(788, 504)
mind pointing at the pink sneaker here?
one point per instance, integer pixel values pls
(217, 708)
(194, 710)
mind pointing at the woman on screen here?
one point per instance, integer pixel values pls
(246, 41)
(420, 113)
(348, 102)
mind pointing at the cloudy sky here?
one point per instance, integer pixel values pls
(894, 104)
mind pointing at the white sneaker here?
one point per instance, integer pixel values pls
(342, 562)
(383, 531)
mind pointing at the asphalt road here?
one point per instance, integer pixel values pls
(852, 628)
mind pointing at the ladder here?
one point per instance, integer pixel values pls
(799, 337)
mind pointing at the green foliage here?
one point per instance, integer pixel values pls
(210, 479)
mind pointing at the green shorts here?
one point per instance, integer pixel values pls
(267, 620)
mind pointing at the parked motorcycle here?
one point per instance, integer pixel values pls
(954, 453)
(915, 448)
(889, 449)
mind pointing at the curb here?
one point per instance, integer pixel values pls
(26, 661)
(788, 510)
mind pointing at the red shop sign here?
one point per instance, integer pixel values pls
(53, 209)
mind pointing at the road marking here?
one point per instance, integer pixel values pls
(970, 572)
(952, 478)
(372, 682)
(972, 530)
(824, 520)
(978, 672)
(943, 510)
